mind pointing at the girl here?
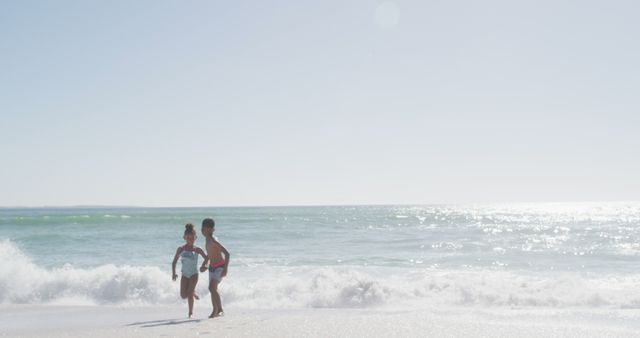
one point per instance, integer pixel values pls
(189, 257)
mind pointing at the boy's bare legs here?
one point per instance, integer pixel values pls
(215, 299)
(191, 288)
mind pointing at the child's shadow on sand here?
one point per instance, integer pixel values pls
(163, 322)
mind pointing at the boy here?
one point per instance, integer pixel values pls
(218, 264)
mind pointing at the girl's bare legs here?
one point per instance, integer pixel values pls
(191, 290)
(184, 285)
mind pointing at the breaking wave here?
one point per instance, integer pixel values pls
(24, 282)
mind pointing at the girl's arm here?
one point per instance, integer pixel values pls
(203, 267)
(175, 261)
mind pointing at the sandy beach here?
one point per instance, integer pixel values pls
(169, 321)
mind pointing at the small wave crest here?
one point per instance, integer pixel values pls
(307, 287)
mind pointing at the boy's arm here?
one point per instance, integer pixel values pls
(227, 257)
(203, 267)
(175, 261)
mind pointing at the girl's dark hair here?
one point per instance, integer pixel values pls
(188, 229)
(209, 223)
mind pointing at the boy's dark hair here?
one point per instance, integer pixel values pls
(188, 229)
(209, 223)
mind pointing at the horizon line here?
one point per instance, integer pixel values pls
(105, 206)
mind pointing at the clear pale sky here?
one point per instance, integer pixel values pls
(212, 103)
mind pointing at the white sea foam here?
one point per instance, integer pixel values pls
(24, 282)
(344, 287)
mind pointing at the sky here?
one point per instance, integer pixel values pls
(232, 103)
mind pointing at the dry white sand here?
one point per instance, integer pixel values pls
(169, 321)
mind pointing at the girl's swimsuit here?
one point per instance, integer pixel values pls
(189, 259)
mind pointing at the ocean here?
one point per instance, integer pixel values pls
(504, 256)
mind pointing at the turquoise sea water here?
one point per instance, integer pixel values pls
(344, 256)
